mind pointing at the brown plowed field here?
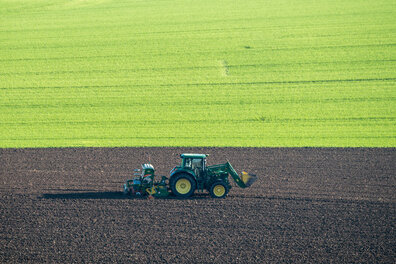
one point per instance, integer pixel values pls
(309, 205)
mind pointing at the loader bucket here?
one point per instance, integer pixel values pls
(248, 179)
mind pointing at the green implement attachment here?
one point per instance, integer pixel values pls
(246, 179)
(145, 184)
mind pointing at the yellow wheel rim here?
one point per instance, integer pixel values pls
(219, 190)
(183, 186)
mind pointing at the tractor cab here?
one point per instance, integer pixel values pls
(195, 163)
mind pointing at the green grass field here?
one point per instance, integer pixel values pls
(197, 73)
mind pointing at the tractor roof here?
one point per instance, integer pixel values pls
(189, 155)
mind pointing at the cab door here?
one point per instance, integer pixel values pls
(198, 166)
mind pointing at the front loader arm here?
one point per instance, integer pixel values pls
(244, 181)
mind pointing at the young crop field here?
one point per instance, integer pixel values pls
(197, 73)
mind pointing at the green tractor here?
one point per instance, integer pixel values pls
(191, 175)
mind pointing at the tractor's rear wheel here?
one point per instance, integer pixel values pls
(218, 190)
(182, 185)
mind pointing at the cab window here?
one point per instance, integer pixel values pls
(197, 163)
(187, 162)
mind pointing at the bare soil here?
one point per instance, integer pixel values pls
(309, 205)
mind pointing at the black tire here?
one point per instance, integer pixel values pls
(182, 185)
(218, 190)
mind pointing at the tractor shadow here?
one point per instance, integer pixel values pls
(115, 196)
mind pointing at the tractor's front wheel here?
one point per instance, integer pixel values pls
(218, 190)
(182, 185)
